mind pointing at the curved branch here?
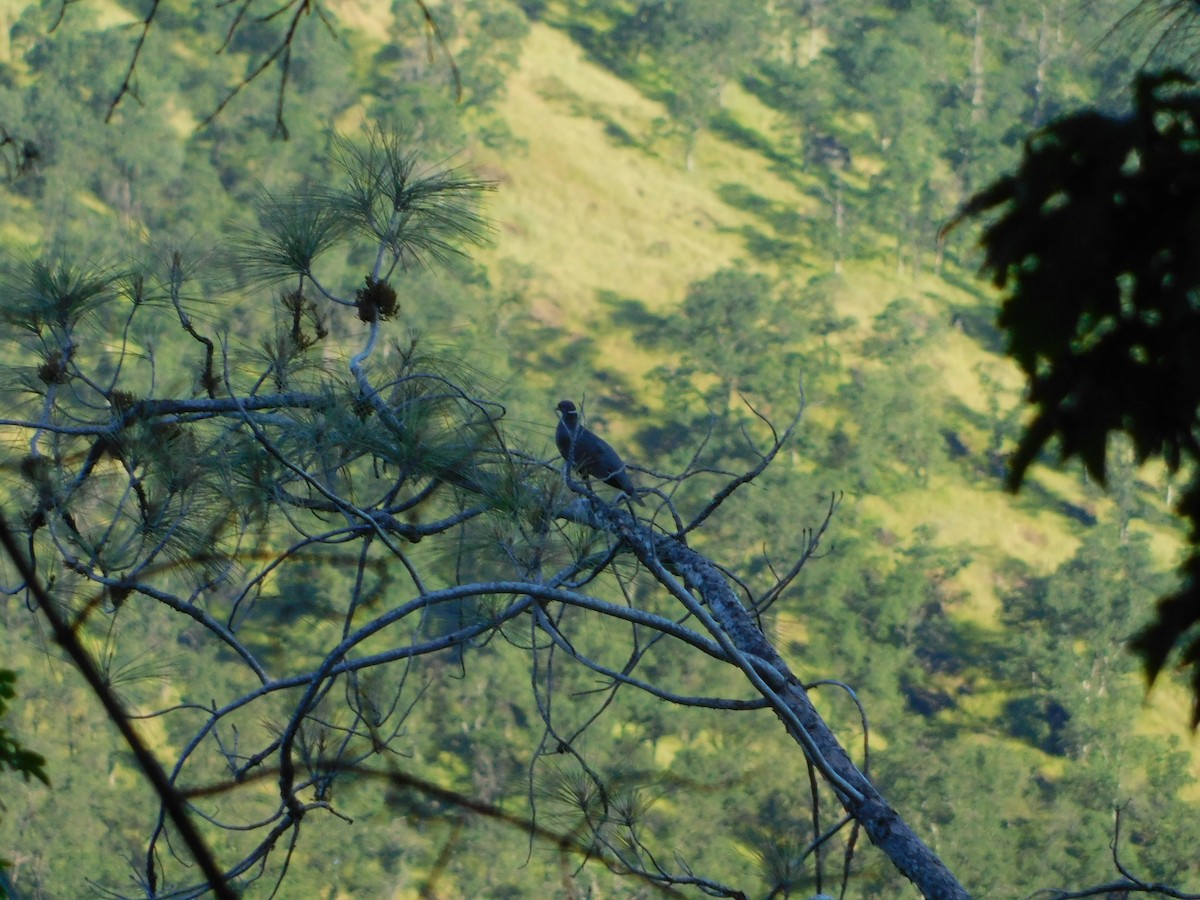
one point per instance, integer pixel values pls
(1129, 884)
(765, 460)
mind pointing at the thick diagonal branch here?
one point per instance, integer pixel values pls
(699, 584)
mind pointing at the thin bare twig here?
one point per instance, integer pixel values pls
(1129, 884)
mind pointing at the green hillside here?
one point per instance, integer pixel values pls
(675, 261)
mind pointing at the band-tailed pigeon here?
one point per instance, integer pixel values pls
(588, 454)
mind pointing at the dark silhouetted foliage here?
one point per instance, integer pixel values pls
(1097, 245)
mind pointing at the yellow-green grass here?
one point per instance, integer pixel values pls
(965, 514)
(587, 215)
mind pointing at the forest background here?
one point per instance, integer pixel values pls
(695, 202)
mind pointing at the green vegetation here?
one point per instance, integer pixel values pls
(698, 213)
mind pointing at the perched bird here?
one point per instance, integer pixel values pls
(589, 455)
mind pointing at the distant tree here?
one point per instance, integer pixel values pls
(727, 321)
(892, 434)
(902, 72)
(1071, 690)
(692, 49)
(895, 411)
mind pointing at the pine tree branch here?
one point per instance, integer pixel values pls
(715, 603)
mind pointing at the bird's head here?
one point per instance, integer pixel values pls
(566, 409)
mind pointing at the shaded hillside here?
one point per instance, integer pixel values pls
(662, 257)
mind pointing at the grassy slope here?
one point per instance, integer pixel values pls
(590, 215)
(590, 209)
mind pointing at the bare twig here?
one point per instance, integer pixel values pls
(1129, 884)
